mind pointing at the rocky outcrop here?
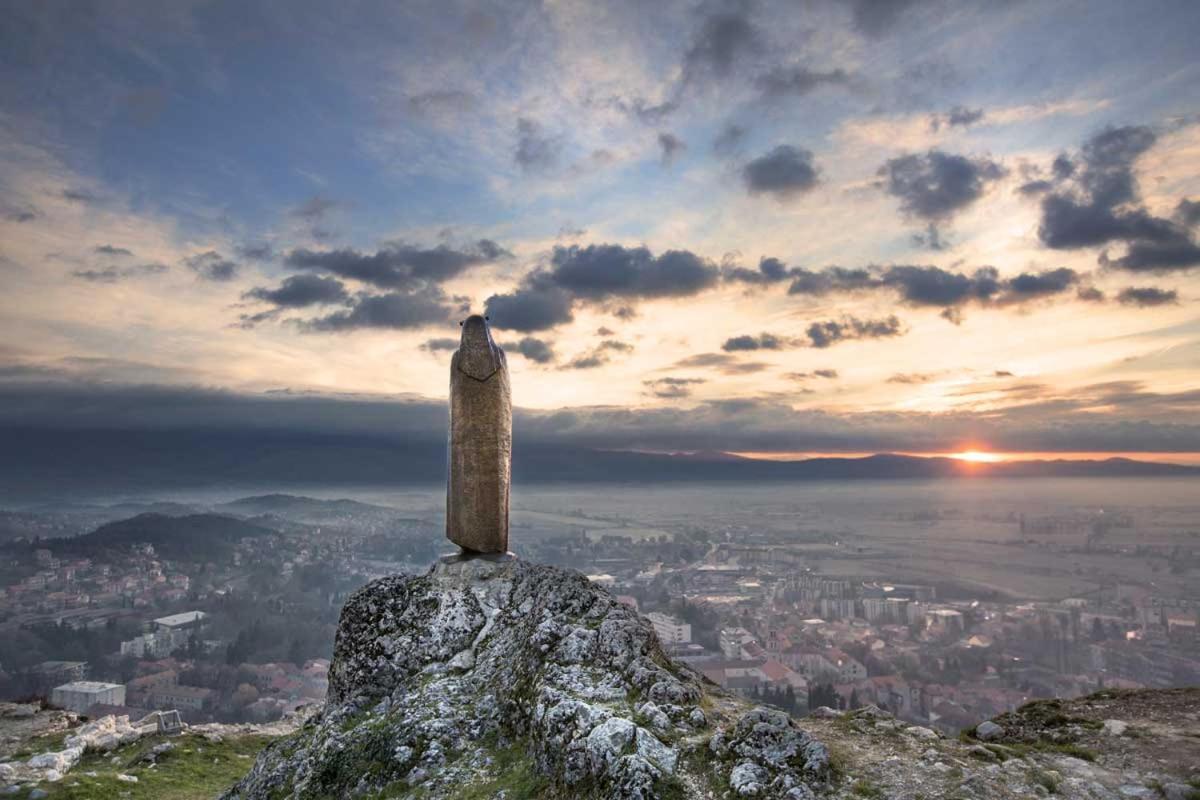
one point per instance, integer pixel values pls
(515, 679)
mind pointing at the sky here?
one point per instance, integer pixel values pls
(772, 228)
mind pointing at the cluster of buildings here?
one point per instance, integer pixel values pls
(754, 619)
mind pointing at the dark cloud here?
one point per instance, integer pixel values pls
(1100, 206)
(315, 209)
(598, 274)
(81, 196)
(1147, 296)
(1090, 294)
(952, 315)
(1002, 373)
(1188, 212)
(796, 81)
(1035, 187)
(1041, 419)
(18, 213)
(729, 139)
(784, 172)
(671, 388)
(829, 332)
(725, 37)
(930, 238)
(764, 341)
(605, 271)
(1062, 167)
(1171, 252)
(602, 331)
(917, 285)
(299, 291)
(212, 266)
(770, 271)
(877, 17)
(110, 250)
(599, 355)
(530, 308)
(721, 362)
(536, 350)
(446, 345)
(672, 146)
(256, 251)
(912, 377)
(115, 274)
(957, 117)
(398, 265)
(392, 310)
(828, 374)
(536, 150)
(936, 185)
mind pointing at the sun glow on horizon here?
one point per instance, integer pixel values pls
(978, 456)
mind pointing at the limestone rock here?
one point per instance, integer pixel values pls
(486, 666)
(987, 730)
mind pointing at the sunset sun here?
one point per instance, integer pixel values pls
(977, 456)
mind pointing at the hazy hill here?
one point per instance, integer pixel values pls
(195, 537)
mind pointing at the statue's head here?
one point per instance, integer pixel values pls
(478, 355)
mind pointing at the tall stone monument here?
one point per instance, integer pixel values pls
(480, 443)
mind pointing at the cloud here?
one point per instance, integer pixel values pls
(770, 270)
(1170, 252)
(1099, 206)
(1188, 212)
(876, 17)
(439, 103)
(957, 117)
(81, 196)
(531, 308)
(1090, 294)
(440, 345)
(536, 150)
(18, 213)
(916, 285)
(599, 355)
(315, 209)
(110, 250)
(764, 341)
(784, 172)
(1123, 416)
(115, 274)
(829, 374)
(797, 81)
(912, 377)
(724, 39)
(672, 146)
(398, 265)
(1147, 296)
(830, 332)
(256, 251)
(720, 362)
(671, 388)
(598, 273)
(536, 350)
(392, 310)
(299, 291)
(728, 140)
(936, 185)
(212, 266)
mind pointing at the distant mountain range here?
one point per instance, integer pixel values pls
(62, 465)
